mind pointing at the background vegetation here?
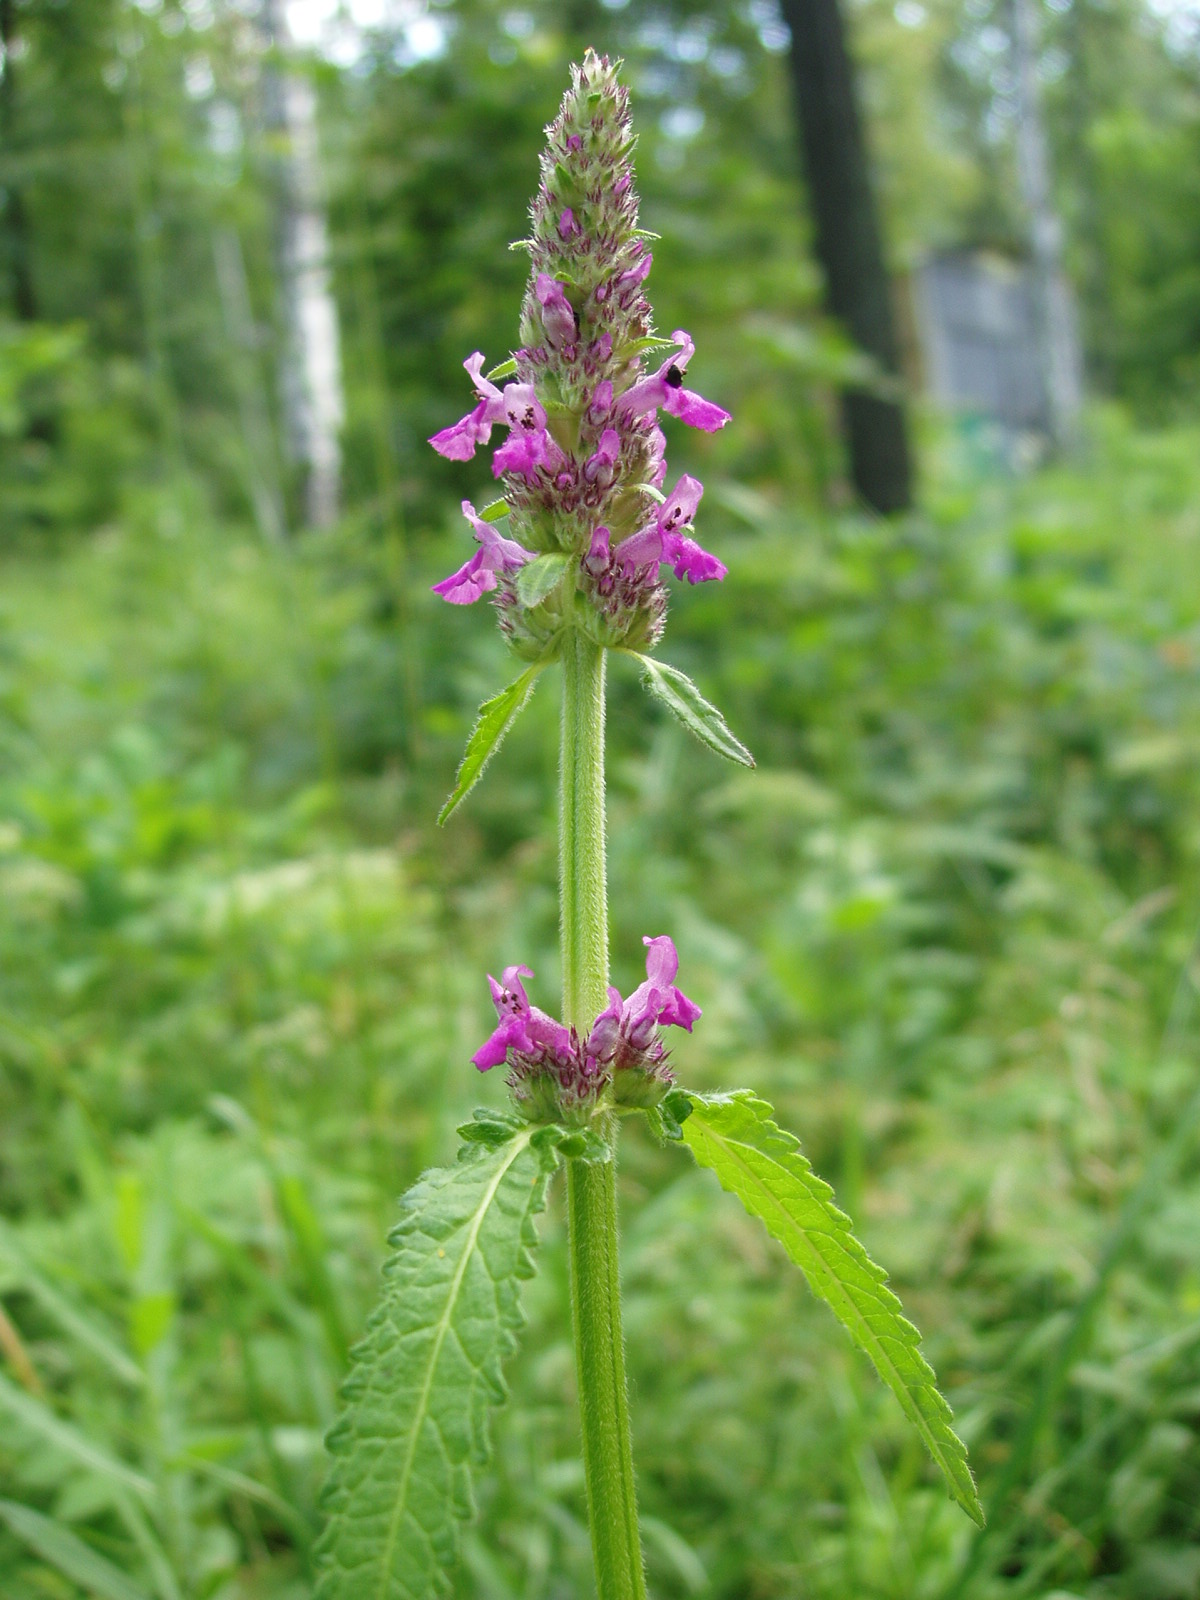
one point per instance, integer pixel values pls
(949, 926)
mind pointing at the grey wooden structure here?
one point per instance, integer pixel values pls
(977, 328)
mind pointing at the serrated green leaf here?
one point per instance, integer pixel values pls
(758, 1161)
(416, 1401)
(496, 717)
(504, 370)
(685, 702)
(66, 1552)
(537, 578)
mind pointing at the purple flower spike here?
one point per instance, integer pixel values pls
(459, 442)
(582, 412)
(494, 556)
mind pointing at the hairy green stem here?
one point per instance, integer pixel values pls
(591, 1188)
(583, 887)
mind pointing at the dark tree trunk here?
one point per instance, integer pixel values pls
(848, 242)
(12, 204)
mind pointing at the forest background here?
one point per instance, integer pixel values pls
(949, 926)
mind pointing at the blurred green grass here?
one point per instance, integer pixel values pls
(949, 928)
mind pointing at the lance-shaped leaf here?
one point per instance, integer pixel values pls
(763, 1165)
(684, 701)
(417, 1398)
(496, 717)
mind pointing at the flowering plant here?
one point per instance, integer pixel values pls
(579, 571)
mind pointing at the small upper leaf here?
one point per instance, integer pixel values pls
(538, 577)
(763, 1165)
(496, 717)
(684, 701)
(415, 1417)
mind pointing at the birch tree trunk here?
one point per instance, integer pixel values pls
(1058, 330)
(310, 375)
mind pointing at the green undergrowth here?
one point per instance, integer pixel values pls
(948, 927)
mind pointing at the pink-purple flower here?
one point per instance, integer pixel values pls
(627, 1029)
(459, 442)
(522, 1029)
(664, 390)
(664, 541)
(496, 558)
(624, 1039)
(529, 445)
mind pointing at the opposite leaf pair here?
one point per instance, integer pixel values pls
(667, 684)
(415, 1426)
